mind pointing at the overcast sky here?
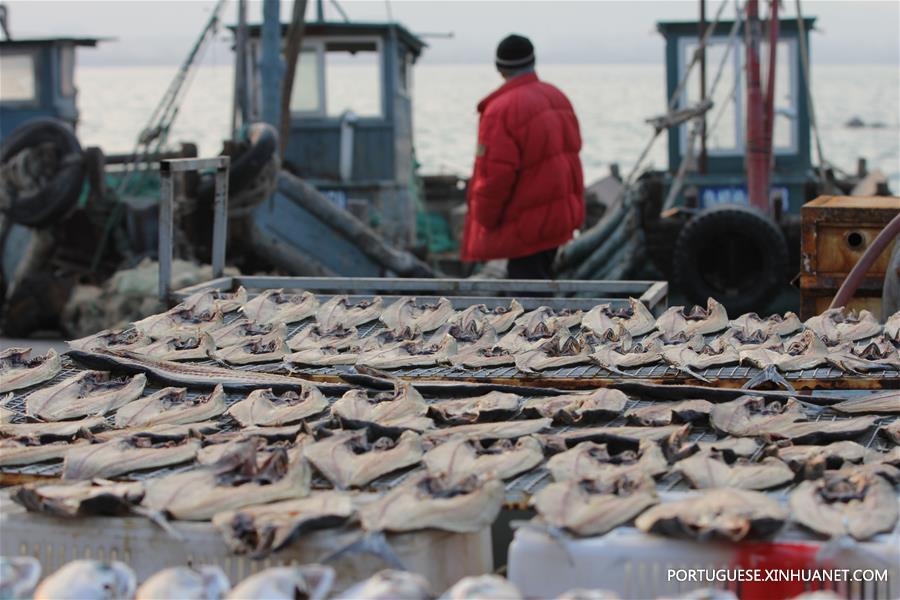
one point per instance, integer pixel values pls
(613, 31)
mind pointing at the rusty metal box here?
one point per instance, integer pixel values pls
(836, 230)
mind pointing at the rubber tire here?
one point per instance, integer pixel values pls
(52, 202)
(743, 230)
(245, 167)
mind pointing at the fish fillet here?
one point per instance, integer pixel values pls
(307, 582)
(504, 430)
(702, 357)
(18, 371)
(403, 408)
(85, 394)
(627, 354)
(636, 319)
(776, 324)
(589, 460)
(314, 336)
(426, 502)
(388, 338)
(458, 459)
(411, 354)
(712, 470)
(858, 504)
(579, 407)
(480, 357)
(61, 429)
(241, 330)
(323, 356)
(171, 406)
(340, 313)
(216, 300)
(348, 460)
(468, 334)
(206, 582)
(275, 306)
(181, 345)
(521, 338)
(265, 348)
(79, 498)
(130, 338)
(812, 460)
(696, 321)
(27, 451)
(265, 408)
(741, 340)
(170, 322)
(500, 318)
(260, 530)
(721, 514)
(883, 403)
(124, 455)
(563, 318)
(406, 312)
(590, 508)
(198, 494)
(838, 325)
(561, 351)
(667, 413)
(493, 406)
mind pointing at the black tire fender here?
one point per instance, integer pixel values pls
(733, 253)
(48, 204)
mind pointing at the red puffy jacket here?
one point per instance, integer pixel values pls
(527, 189)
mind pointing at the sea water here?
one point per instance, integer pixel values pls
(611, 100)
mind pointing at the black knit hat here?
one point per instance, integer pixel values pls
(514, 52)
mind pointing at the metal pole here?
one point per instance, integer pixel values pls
(271, 65)
(166, 227)
(770, 83)
(239, 113)
(220, 219)
(757, 159)
(701, 162)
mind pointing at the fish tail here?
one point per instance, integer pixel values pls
(158, 518)
(374, 543)
(769, 374)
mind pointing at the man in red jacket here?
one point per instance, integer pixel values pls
(526, 195)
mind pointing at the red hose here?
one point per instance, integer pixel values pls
(859, 270)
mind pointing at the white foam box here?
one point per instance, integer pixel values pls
(442, 557)
(635, 565)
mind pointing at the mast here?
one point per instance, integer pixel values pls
(701, 161)
(757, 152)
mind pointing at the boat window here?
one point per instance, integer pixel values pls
(353, 78)
(17, 80)
(723, 125)
(785, 95)
(306, 95)
(406, 73)
(67, 71)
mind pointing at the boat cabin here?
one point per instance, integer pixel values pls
(723, 180)
(37, 79)
(351, 130)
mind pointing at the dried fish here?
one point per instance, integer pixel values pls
(697, 354)
(742, 340)
(265, 408)
(32, 450)
(402, 408)
(505, 430)
(500, 318)
(712, 469)
(811, 461)
(170, 322)
(562, 318)
(323, 356)
(884, 403)
(88, 580)
(892, 327)
(482, 587)
(262, 529)
(88, 393)
(206, 582)
(483, 356)
(388, 338)
(190, 374)
(171, 406)
(309, 582)
(265, 348)
(579, 407)
(406, 312)
(411, 354)
(427, 502)
(696, 321)
(18, 371)
(216, 300)
(726, 514)
(739, 446)
(523, 338)
(839, 325)
(61, 429)
(666, 413)
(468, 334)
(632, 435)
(636, 319)
(857, 504)
(241, 330)
(340, 313)
(238, 480)
(275, 306)
(891, 431)
(164, 430)
(804, 351)
(124, 455)
(349, 460)
(18, 576)
(493, 406)
(181, 345)
(756, 416)
(589, 460)
(389, 585)
(130, 338)
(560, 351)
(458, 459)
(314, 336)
(589, 508)
(6, 415)
(80, 498)
(776, 324)
(626, 354)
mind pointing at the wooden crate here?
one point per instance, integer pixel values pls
(836, 230)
